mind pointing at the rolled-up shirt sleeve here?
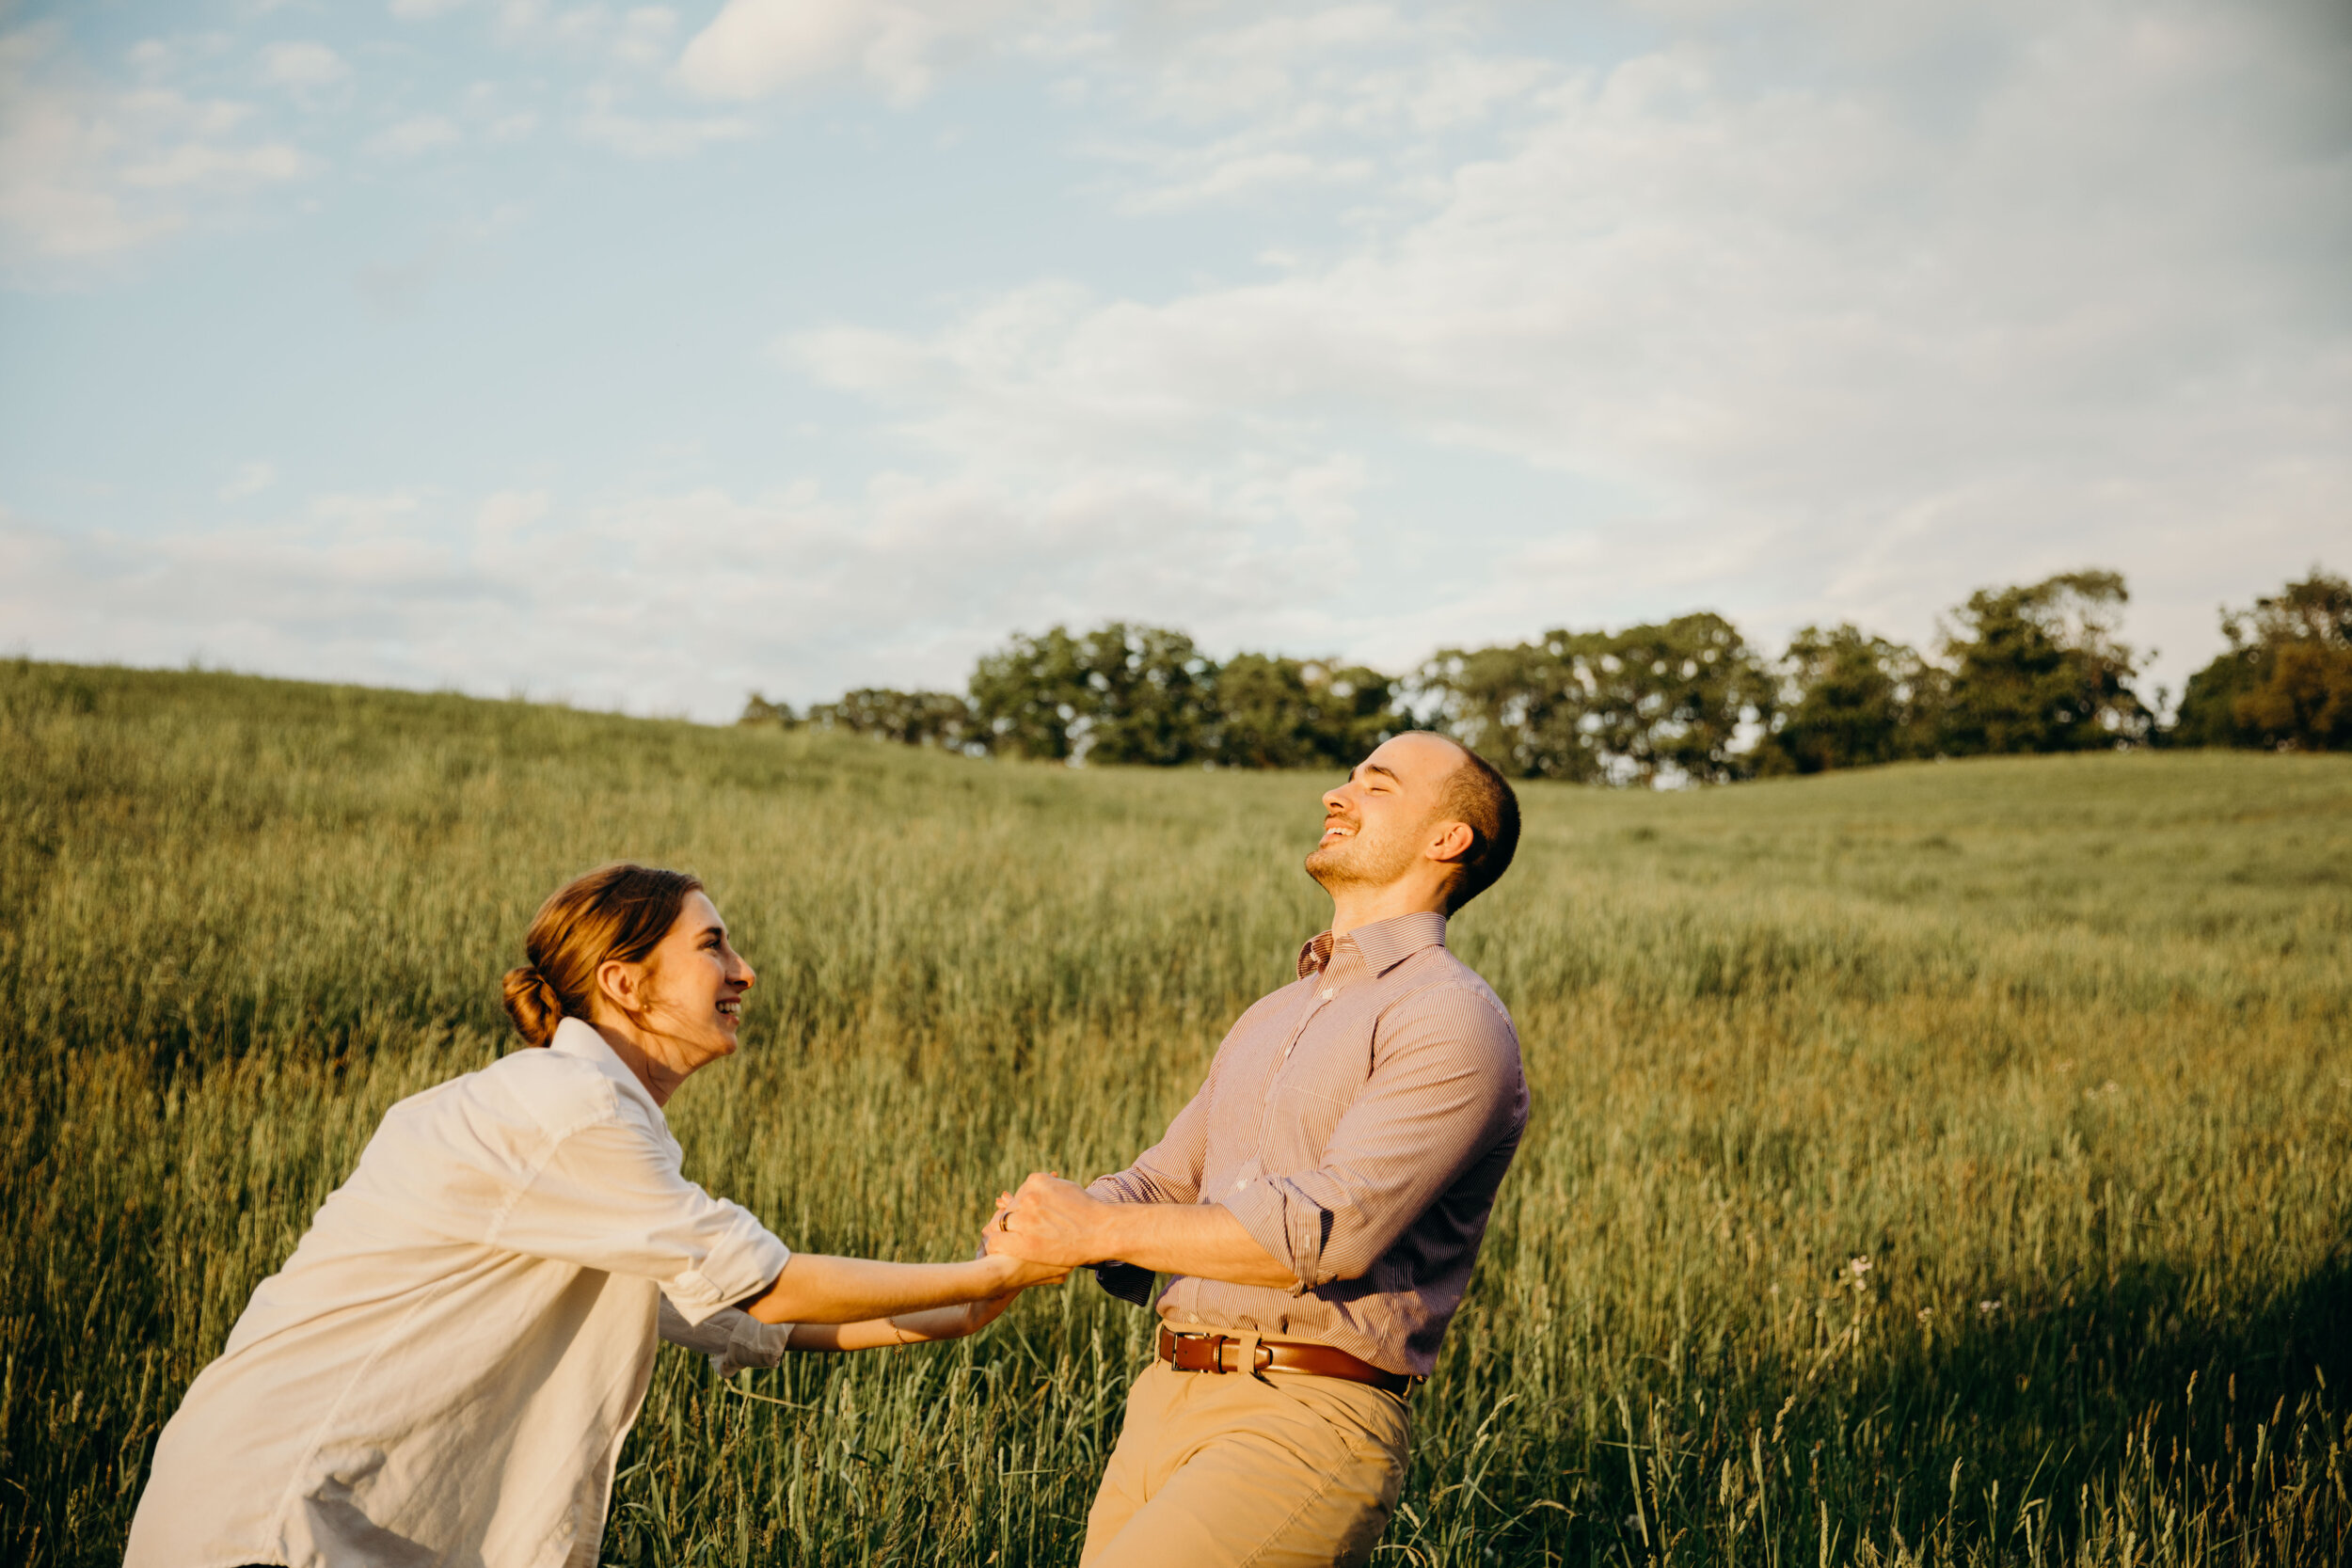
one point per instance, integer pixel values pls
(1445, 1091)
(610, 1195)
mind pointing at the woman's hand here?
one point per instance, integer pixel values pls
(937, 1323)
(951, 1322)
(1017, 1275)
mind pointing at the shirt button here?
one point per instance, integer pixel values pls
(1326, 993)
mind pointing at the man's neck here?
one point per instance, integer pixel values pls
(1354, 908)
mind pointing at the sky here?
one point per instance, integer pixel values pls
(641, 356)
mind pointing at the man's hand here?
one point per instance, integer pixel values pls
(1053, 1221)
(1050, 1220)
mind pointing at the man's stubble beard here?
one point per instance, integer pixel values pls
(1358, 863)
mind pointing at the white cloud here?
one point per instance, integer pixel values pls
(678, 602)
(643, 35)
(756, 47)
(1813, 310)
(415, 137)
(251, 480)
(89, 171)
(303, 65)
(1239, 106)
(200, 164)
(655, 135)
(509, 511)
(1829, 351)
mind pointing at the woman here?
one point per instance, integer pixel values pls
(444, 1370)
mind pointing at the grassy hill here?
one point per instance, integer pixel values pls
(2057, 1048)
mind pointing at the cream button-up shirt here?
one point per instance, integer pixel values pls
(444, 1370)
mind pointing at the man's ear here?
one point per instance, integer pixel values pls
(1451, 842)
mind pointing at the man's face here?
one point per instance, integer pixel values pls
(1376, 824)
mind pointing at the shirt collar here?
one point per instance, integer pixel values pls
(574, 1037)
(1384, 943)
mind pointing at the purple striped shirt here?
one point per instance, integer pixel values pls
(1358, 1123)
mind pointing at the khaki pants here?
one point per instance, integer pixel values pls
(1278, 1469)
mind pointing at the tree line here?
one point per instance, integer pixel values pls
(2030, 668)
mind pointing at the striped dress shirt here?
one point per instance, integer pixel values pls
(1357, 1122)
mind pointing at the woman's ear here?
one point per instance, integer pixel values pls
(621, 986)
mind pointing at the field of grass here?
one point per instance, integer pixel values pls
(1948, 1163)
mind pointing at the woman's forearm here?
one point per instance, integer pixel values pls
(820, 1289)
(905, 1328)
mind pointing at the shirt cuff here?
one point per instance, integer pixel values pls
(732, 1340)
(743, 1259)
(1127, 1282)
(1290, 1229)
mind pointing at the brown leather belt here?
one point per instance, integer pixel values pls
(1221, 1353)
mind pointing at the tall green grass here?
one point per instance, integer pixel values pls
(2059, 1048)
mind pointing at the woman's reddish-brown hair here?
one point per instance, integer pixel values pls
(615, 911)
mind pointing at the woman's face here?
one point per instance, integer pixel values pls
(694, 985)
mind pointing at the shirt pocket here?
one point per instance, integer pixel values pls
(1300, 1119)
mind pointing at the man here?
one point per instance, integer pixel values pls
(1320, 1202)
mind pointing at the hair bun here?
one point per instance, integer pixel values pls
(532, 1002)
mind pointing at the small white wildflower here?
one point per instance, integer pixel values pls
(1990, 1306)
(1927, 1315)
(1858, 1266)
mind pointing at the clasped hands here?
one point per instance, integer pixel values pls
(1026, 1258)
(1053, 1224)
(1049, 1221)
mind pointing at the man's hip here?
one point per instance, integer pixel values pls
(1279, 1468)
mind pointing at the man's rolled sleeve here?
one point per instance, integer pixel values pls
(1446, 1091)
(1290, 1227)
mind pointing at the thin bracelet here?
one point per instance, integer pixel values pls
(899, 1333)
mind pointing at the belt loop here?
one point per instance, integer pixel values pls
(1246, 1355)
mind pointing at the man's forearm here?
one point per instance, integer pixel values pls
(1203, 1240)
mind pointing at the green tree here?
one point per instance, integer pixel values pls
(939, 719)
(1277, 712)
(1672, 700)
(759, 711)
(1848, 698)
(2286, 678)
(2038, 669)
(1526, 707)
(1117, 694)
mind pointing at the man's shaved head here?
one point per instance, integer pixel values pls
(1482, 801)
(1422, 800)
